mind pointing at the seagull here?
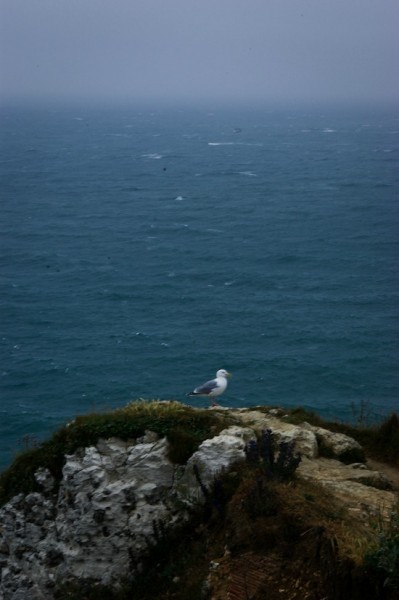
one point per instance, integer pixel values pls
(213, 387)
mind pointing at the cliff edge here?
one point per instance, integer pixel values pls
(176, 502)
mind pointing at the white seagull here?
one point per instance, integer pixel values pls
(212, 388)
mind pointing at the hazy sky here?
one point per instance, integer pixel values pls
(228, 50)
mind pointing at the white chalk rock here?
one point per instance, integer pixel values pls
(214, 456)
(337, 445)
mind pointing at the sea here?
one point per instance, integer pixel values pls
(144, 248)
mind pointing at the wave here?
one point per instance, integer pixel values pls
(221, 143)
(234, 144)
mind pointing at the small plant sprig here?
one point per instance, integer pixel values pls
(361, 412)
(262, 453)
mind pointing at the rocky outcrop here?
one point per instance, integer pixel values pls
(104, 516)
(337, 445)
(100, 522)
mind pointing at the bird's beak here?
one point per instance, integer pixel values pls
(229, 374)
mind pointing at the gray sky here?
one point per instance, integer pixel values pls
(202, 50)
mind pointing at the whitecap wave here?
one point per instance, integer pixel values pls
(234, 144)
(221, 143)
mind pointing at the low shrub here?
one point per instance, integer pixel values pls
(385, 558)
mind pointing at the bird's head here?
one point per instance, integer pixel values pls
(223, 373)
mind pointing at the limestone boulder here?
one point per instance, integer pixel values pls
(97, 527)
(214, 456)
(100, 524)
(337, 445)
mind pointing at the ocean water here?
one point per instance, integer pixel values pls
(142, 250)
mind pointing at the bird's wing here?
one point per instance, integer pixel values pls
(207, 388)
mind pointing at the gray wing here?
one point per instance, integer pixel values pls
(207, 388)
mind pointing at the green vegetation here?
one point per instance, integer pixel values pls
(185, 428)
(385, 556)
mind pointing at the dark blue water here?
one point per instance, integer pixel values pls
(142, 251)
